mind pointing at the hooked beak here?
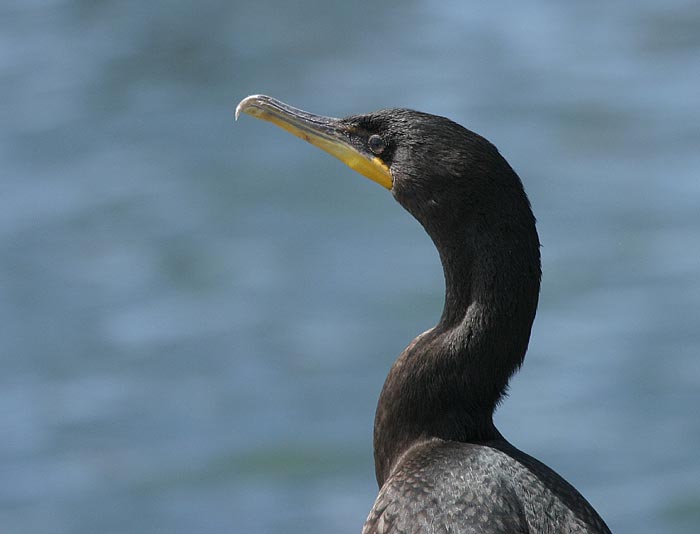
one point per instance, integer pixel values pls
(327, 133)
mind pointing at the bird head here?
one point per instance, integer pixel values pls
(441, 172)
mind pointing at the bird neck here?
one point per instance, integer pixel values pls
(448, 381)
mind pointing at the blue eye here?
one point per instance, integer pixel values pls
(376, 144)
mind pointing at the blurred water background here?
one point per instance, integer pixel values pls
(196, 316)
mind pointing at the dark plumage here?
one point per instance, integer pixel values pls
(441, 464)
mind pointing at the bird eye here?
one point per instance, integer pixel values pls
(376, 144)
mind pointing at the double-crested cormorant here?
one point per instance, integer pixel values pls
(441, 464)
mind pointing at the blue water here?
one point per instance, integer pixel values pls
(197, 315)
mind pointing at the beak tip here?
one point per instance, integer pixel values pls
(248, 103)
(240, 107)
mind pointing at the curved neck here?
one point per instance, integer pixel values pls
(447, 382)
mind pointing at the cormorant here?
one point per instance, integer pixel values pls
(441, 464)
